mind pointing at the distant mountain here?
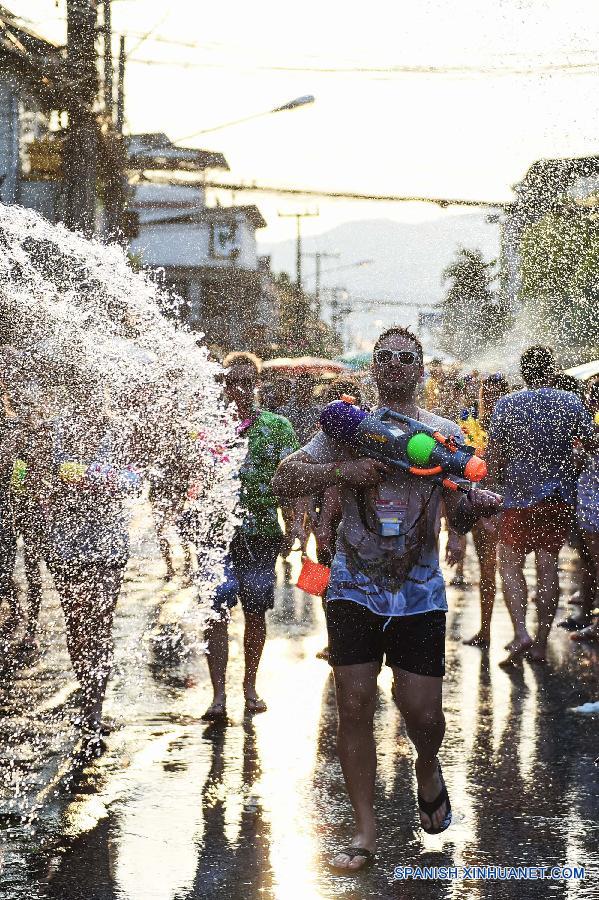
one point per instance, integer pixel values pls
(408, 258)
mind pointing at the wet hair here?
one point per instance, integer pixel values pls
(339, 386)
(565, 382)
(242, 358)
(537, 365)
(400, 331)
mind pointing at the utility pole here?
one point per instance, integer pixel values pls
(301, 308)
(116, 180)
(108, 80)
(298, 250)
(120, 101)
(318, 257)
(339, 310)
(80, 163)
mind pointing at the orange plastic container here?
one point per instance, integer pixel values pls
(314, 577)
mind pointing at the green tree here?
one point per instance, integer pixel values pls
(559, 287)
(317, 338)
(474, 316)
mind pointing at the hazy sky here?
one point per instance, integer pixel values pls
(512, 80)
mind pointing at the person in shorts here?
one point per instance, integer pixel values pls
(587, 520)
(531, 446)
(386, 597)
(251, 557)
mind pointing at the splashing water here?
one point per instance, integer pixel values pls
(82, 334)
(79, 329)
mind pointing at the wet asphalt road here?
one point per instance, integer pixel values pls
(178, 809)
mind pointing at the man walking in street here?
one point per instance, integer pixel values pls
(250, 562)
(531, 444)
(386, 595)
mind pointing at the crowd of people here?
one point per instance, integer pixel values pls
(537, 437)
(375, 526)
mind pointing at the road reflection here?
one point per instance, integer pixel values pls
(252, 808)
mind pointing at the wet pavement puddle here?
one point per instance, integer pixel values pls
(179, 809)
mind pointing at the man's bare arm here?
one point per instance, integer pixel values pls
(464, 510)
(299, 475)
(495, 459)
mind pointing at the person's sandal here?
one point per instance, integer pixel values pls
(574, 623)
(215, 712)
(255, 705)
(352, 852)
(431, 807)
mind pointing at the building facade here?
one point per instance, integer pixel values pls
(206, 255)
(30, 103)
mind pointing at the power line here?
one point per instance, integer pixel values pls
(144, 37)
(525, 69)
(353, 195)
(388, 71)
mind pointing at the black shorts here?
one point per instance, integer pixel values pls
(413, 643)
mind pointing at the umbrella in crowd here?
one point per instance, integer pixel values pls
(310, 365)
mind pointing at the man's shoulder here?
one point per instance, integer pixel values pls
(565, 398)
(440, 423)
(511, 402)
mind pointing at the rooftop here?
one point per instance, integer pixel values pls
(224, 213)
(33, 57)
(155, 151)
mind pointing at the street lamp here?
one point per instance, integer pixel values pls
(305, 100)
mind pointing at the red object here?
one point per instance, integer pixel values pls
(476, 469)
(544, 526)
(303, 365)
(435, 470)
(314, 578)
(450, 485)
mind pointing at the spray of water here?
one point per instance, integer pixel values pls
(81, 334)
(75, 318)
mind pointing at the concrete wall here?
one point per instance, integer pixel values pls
(188, 244)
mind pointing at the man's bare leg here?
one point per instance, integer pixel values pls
(547, 600)
(485, 544)
(591, 545)
(217, 636)
(419, 699)
(88, 605)
(254, 638)
(515, 592)
(356, 700)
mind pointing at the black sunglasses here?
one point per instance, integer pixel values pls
(405, 357)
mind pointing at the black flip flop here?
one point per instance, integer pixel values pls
(352, 852)
(430, 808)
(572, 623)
(215, 713)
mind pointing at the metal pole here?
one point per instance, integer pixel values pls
(298, 253)
(318, 257)
(108, 80)
(317, 285)
(120, 102)
(301, 310)
(116, 181)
